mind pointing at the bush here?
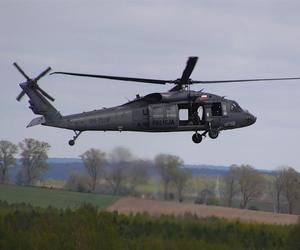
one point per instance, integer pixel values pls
(255, 208)
(78, 182)
(294, 238)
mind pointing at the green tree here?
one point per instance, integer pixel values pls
(167, 165)
(34, 157)
(7, 158)
(94, 160)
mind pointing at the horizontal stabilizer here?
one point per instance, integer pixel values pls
(36, 121)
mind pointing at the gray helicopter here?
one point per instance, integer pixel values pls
(179, 109)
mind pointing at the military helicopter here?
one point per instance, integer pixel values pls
(179, 109)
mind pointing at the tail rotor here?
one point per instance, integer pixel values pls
(32, 83)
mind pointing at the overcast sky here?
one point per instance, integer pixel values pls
(233, 39)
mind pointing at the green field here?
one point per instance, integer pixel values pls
(43, 197)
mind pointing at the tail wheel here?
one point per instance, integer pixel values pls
(197, 138)
(71, 142)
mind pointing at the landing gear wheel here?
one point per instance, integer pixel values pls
(71, 142)
(197, 138)
(213, 134)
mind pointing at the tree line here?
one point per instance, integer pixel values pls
(34, 155)
(120, 169)
(123, 172)
(120, 172)
(247, 183)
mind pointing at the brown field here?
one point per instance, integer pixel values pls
(134, 205)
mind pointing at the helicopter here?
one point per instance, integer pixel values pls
(179, 109)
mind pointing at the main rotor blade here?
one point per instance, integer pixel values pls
(45, 94)
(42, 74)
(248, 80)
(120, 78)
(19, 97)
(190, 65)
(21, 71)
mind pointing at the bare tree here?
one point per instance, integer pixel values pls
(250, 184)
(291, 187)
(121, 154)
(231, 188)
(137, 173)
(180, 180)
(94, 160)
(34, 159)
(278, 184)
(7, 158)
(116, 170)
(167, 165)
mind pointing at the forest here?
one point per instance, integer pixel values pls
(25, 227)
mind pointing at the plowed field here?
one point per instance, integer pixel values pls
(134, 205)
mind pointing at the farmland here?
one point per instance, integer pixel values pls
(129, 205)
(44, 197)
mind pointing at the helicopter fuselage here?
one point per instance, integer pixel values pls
(182, 110)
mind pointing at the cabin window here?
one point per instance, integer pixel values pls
(158, 112)
(224, 108)
(216, 109)
(200, 112)
(183, 114)
(171, 111)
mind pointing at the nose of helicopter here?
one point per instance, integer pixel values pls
(251, 119)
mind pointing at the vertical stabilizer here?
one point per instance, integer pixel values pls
(39, 104)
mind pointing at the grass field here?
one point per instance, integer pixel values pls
(43, 197)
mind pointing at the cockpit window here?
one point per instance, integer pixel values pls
(234, 107)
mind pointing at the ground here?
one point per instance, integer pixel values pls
(128, 205)
(45, 197)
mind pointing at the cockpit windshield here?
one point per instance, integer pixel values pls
(235, 107)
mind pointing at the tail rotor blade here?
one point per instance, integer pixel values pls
(32, 83)
(42, 74)
(19, 97)
(21, 71)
